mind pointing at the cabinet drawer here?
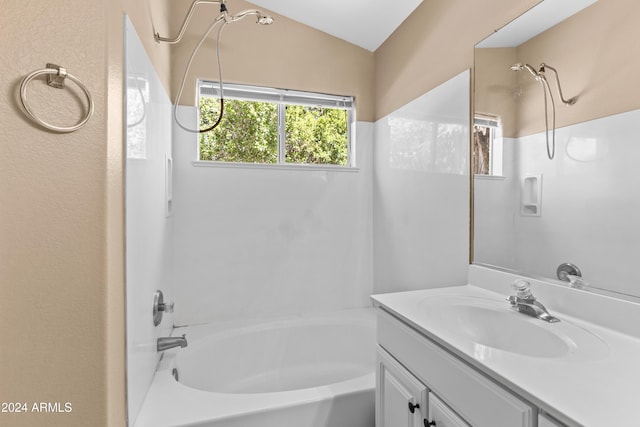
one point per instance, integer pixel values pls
(480, 401)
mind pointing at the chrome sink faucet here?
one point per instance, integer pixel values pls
(525, 303)
(165, 343)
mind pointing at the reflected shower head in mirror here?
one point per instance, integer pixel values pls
(520, 66)
(541, 71)
(540, 77)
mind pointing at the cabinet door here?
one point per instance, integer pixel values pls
(440, 415)
(401, 399)
(544, 421)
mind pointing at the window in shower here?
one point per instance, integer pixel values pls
(487, 146)
(275, 126)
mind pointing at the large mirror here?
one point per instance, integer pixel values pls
(533, 213)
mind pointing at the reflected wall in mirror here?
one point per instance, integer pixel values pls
(531, 213)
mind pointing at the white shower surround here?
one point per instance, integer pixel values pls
(589, 216)
(149, 232)
(259, 242)
(421, 191)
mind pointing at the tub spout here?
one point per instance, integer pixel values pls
(165, 343)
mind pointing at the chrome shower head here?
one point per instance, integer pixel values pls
(520, 66)
(224, 17)
(262, 18)
(265, 19)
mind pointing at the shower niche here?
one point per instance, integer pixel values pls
(531, 195)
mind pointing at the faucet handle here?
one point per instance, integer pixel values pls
(160, 307)
(167, 307)
(522, 288)
(576, 281)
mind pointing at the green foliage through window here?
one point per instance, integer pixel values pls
(252, 132)
(316, 135)
(248, 131)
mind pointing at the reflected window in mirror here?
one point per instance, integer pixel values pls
(487, 145)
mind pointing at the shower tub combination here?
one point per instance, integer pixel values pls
(303, 371)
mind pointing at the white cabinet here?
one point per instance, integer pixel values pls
(410, 363)
(401, 399)
(443, 416)
(545, 421)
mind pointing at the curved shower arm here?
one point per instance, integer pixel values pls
(175, 40)
(569, 101)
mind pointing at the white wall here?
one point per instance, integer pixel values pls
(261, 242)
(148, 230)
(590, 206)
(495, 211)
(590, 212)
(421, 191)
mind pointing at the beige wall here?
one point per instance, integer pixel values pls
(285, 55)
(433, 44)
(597, 55)
(496, 87)
(53, 268)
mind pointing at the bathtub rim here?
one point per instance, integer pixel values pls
(169, 402)
(206, 341)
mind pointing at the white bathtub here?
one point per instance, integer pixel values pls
(303, 371)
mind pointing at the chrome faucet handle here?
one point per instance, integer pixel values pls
(576, 281)
(523, 289)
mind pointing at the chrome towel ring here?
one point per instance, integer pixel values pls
(56, 76)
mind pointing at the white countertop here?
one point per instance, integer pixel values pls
(599, 389)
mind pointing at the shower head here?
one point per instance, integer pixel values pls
(265, 19)
(520, 66)
(262, 18)
(224, 17)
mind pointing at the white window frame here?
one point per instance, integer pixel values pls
(282, 97)
(495, 144)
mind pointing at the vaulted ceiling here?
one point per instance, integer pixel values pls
(365, 23)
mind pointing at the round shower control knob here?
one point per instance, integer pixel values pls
(567, 269)
(160, 307)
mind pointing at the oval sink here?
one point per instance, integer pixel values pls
(493, 324)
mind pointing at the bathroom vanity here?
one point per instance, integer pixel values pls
(460, 356)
